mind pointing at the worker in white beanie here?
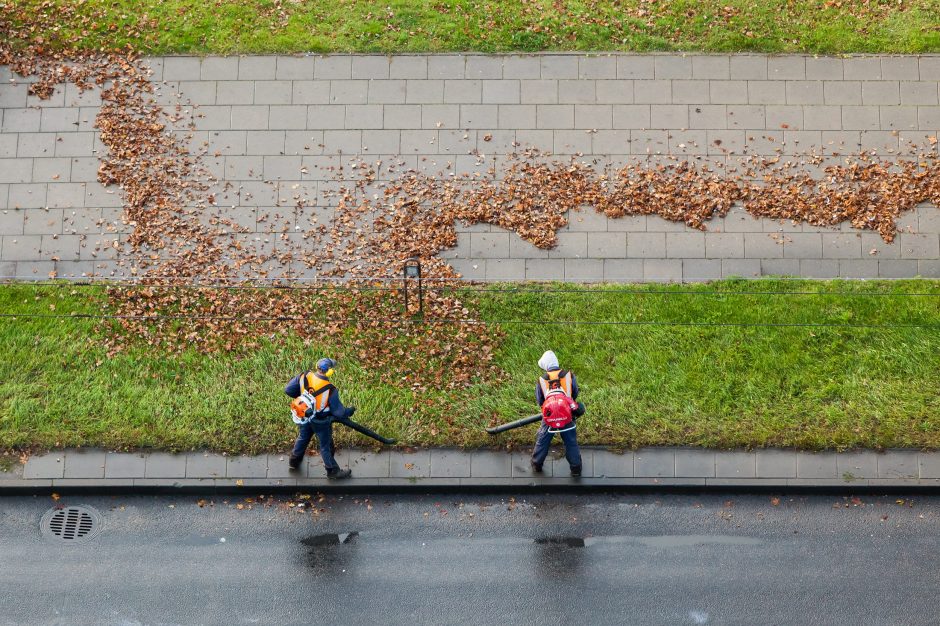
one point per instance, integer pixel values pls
(557, 382)
(548, 361)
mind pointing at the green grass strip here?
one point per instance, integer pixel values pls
(839, 386)
(400, 26)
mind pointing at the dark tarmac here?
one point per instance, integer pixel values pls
(436, 559)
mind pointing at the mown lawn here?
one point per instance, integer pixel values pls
(716, 386)
(264, 26)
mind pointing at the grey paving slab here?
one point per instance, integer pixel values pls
(786, 67)
(736, 465)
(45, 466)
(177, 68)
(652, 92)
(11, 469)
(929, 464)
(662, 270)
(748, 67)
(897, 268)
(651, 462)
(450, 464)
(521, 66)
(161, 465)
(219, 68)
(561, 468)
(685, 245)
(635, 67)
(695, 270)
(728, 92)
(124, 465)
(403, 465)
(929, 269)
(823, 68)
(898, 464)
(489, 464)
(918, 93)
(247, 467)
(312, 465)
(484, 66)
(84, 464)
(205, 465)
(816, 465)
(919, 246)
(691, 463)
(333, 67)
(862, 68)
(279, 469)
(775, 463)
(413, 66)
(522, 467)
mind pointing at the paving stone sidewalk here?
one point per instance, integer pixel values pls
(441, 468)
(275, 129)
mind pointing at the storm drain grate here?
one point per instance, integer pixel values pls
(71, 524)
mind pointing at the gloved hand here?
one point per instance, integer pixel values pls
(350, 410)
(308, 412)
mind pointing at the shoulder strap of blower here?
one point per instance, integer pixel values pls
(319, 387)
(556, 379)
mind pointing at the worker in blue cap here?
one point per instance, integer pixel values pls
(314, 410)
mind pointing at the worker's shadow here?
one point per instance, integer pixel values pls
(329, 554)
(559, 557)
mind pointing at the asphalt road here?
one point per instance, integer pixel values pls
(598, 559)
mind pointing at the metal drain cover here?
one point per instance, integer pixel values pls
(71, 524)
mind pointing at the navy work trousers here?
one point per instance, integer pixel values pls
(323, 429)
(543, 440)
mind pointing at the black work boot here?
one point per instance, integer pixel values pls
(338, 473)
(536, 467)
(575, 470)
(294, 462)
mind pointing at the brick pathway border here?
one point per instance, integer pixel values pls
(440, 468)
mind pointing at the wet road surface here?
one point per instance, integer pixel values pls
(597, 559)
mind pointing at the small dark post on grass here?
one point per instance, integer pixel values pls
(410, 273)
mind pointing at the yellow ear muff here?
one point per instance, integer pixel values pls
(330, 372)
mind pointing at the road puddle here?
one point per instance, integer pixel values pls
(568, 542)
(329, 539)
(329, 554)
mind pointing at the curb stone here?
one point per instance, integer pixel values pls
(453, 469)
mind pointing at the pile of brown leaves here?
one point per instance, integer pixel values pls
(867, 190)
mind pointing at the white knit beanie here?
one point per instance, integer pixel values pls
(548, 361)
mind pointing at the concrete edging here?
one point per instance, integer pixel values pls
(440, 469)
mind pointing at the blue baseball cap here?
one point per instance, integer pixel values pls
(325, 364)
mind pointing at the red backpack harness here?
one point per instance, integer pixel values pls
(558, 405)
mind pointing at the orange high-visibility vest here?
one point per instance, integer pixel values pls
(556, 379)
(319, 387)
(314, 392)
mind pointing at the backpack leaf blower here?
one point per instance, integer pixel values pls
(525, 421)
(368, 432)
